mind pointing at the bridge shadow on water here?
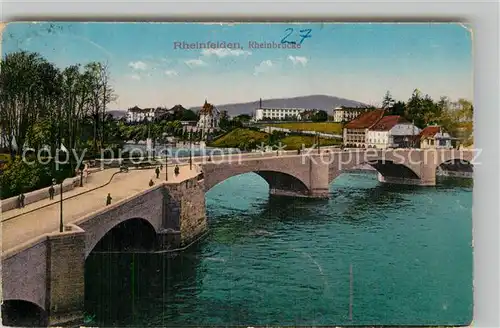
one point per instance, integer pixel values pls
(136, 289)
(152, 290)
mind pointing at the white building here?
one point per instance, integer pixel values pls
(392, 131)
(136, 114)
(277, 113)
(209, 118)
(346, 114)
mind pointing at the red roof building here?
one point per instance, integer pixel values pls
(388, 122)
(354, 132)
(434, 137)
(365, 120)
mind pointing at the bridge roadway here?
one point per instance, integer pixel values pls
(21, 225)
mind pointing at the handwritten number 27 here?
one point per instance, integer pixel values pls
(304, 34)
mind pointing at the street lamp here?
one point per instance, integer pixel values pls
(61, 226)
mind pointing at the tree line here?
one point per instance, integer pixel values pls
(41, 104)
(455, 117)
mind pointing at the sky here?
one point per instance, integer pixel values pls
(357, 61)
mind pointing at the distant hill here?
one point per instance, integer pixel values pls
(326, 103)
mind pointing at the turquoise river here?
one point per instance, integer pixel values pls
(373, 254)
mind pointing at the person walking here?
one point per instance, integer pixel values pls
(151, 183)
(176, 170)
(51, 192)
(157, 171)
(108, 199)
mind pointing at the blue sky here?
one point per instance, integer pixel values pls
(355, 61)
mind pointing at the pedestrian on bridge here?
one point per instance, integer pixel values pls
(157, 171)
(151, 183)
(176, 170)
(51, 192)
(108, 199)
(161, 167)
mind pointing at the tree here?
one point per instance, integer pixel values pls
(224, 122)
(388, 101)
(398, 108)
(189, 115)
(24, 95)
(320, 116)
(102, 94)
(242, 118)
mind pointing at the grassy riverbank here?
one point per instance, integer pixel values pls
(250, 139)
(323, 127)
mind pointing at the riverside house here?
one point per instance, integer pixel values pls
(434, 137)
(355, 132)
(392, 131)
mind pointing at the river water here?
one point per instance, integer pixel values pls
(372, 254)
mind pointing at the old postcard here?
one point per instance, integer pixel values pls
(236, 174)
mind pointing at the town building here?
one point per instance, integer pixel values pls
(434, 137)
(137, 114)
(275, 114)
(209, 118)
(355, 132)
(392, 131)
(346, 114)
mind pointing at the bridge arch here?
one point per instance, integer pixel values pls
(388, 168)
(455, 167)
(129, 234)
(276, 180)
(23, 313)
(287, 175)
(455, 157)
(400, 164)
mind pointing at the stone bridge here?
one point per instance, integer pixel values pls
(48, 271)
(309, 174)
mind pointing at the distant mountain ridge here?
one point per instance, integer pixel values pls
(321, 102)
